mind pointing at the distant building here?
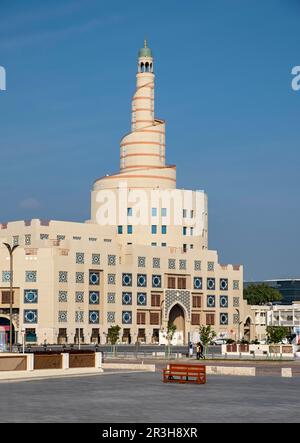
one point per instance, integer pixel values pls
(289, 288)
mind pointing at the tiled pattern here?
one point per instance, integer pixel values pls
(111, 260)
(172, 263)
(80, 258)
(79, 277)
(111, 279)
(111, 297)
(141, 262)
(181, 296)
(111, 317)
(63, 277)
(96, 259)
(62, 296)
(94, 317)
(62, 316)
(79, 296)
(30, 296)
(156, 263)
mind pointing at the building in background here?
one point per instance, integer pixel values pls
(141, 261)
(288, 287)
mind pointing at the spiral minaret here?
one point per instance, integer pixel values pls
(143, 150)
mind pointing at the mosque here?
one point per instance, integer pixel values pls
(141, 261)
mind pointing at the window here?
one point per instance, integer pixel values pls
(181, 283)
(184, 248)
(192, 214)
(120, 229)
(164, 229)
(154, 229)
(6, 297)
(196, 301)
(192, 246)
(195, 319)
(192, 232)
(184, 230)
(210, 319)
(154, 212)
(171, 283)
(154, 318)
(155, 300)
(141, 318)
(129, 229)
(164, 245)
(153, 244)
(184, 213)
(129, 212)
(164, 212)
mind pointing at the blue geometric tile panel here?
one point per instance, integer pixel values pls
(223, 301)
(198, 283)
(141, 299)
(127, 317)
(94, 298)
(156, 281)
(127, 298)
(127, 279)
(30, 295)
(211, 284)
(94, 278)
(30, 316)
(223, 284)
(94, 317)
(223, 319)
(211, 301)
(142, 280)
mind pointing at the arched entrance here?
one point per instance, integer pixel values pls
(247, 329)
(4, 331)
(177, 318)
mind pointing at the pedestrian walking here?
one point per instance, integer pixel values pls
(191, 349)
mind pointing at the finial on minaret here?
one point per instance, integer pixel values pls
(145, 43)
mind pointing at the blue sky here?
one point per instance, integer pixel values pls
(223, 70)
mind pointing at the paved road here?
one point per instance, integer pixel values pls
(142, 397)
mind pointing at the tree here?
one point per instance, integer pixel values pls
(261, 294)
(170, 332)
(207, 334)
(113, 334)
(276, 334)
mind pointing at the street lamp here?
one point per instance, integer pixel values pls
(11, 250)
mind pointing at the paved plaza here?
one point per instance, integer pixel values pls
(142, 397)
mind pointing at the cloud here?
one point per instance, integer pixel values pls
(29, 203)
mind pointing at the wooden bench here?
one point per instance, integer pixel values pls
(185, 374)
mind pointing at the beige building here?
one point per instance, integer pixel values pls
(141, 261)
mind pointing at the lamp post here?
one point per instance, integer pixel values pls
(11, 250)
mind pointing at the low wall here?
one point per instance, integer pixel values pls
(13, 362)
(133, 366)
(229, 370)
(82, 360)
(258, 350)
(47, 361)
(50, 360)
